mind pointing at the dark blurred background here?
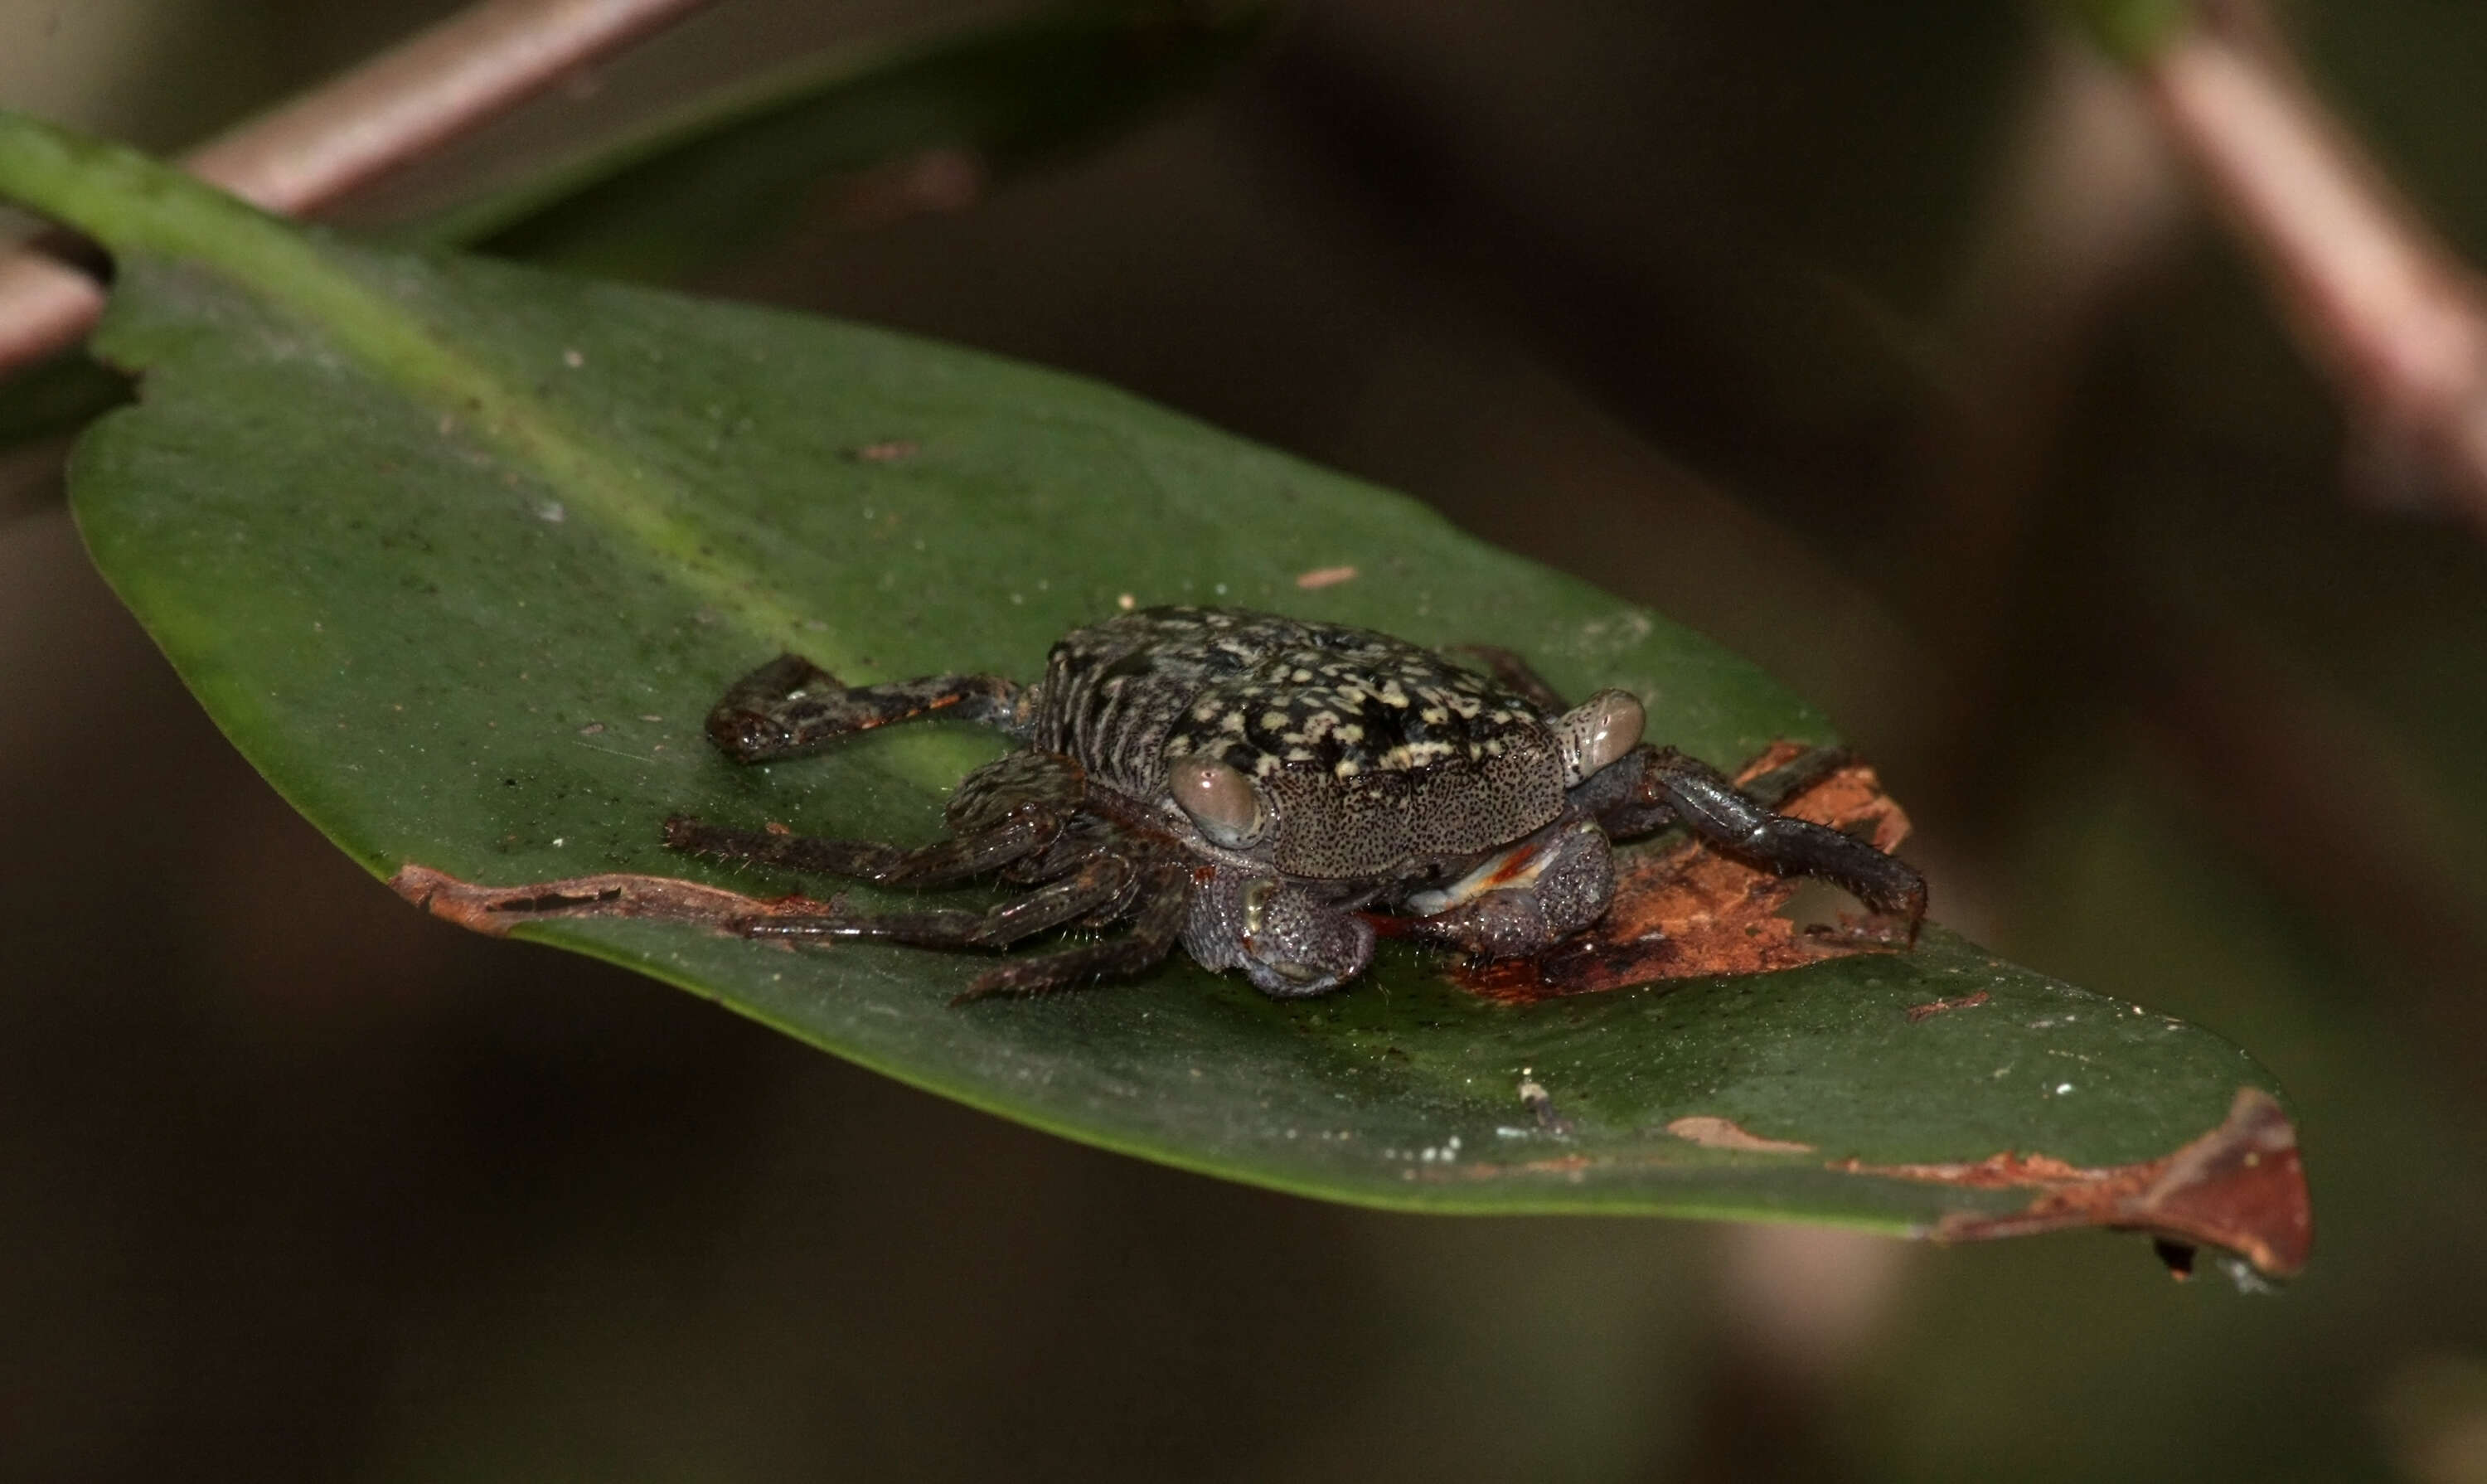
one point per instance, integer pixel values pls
(1882, 341)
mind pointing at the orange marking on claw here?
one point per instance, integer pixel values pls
(1514, 865)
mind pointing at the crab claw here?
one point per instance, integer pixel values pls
(1287, 943)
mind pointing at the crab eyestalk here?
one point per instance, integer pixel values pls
(1596, 732)
(1220, 800)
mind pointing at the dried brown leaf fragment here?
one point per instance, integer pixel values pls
(497, 910)
(2240, 1187)
(1713, 1133)
(1685, 912)
(1935, 1007)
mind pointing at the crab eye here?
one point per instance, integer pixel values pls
(1220, 800)
(1596, 732)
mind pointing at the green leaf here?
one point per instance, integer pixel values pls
(460, 553)
(732, 168)
(725, 171)
(2131, 31)
(56, 397)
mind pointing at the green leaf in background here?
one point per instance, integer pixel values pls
(927, 125)
(2131, 31)
(458, 554)
(889, 131)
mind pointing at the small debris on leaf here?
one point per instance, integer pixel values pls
(1325, 576)
(2178, 1256)
(889, 451)
(1713, 1133)
(1534, 1097)
(1932, 1008)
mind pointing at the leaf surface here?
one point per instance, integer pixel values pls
(879, 131)
(861, 136)
(458, 554)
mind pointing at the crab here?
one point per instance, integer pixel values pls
(1271, 793)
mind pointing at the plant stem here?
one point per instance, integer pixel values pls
(2376, 298)
(356, 127)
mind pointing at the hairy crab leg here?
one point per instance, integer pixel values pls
(1101, 883)
(1022, 831)
(1795, 776)
(791, 706)
(1709, 804)
(1163, 903)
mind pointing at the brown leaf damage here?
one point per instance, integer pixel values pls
(1935, 1007)
(1687, 911)
(497, 910)
(2240, 1187)
(1712, 1132)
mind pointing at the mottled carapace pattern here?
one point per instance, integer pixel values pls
(1377, 752)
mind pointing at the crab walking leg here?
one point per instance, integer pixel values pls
(1161, 906)
(1793, 778)
(1709, 804)
(1022, 831)
(1099, 885)
(791, 706)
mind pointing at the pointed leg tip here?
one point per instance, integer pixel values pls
(986, 986)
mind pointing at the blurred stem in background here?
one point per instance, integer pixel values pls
(882, 131)
(354, 129)
(2324, 796)
(2377, 298)
(2378, 301)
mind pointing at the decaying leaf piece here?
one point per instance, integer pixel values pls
(1935, 1007)
(1713, 1133)
(1686, 912)
(497, 910)
(2239, 1186)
